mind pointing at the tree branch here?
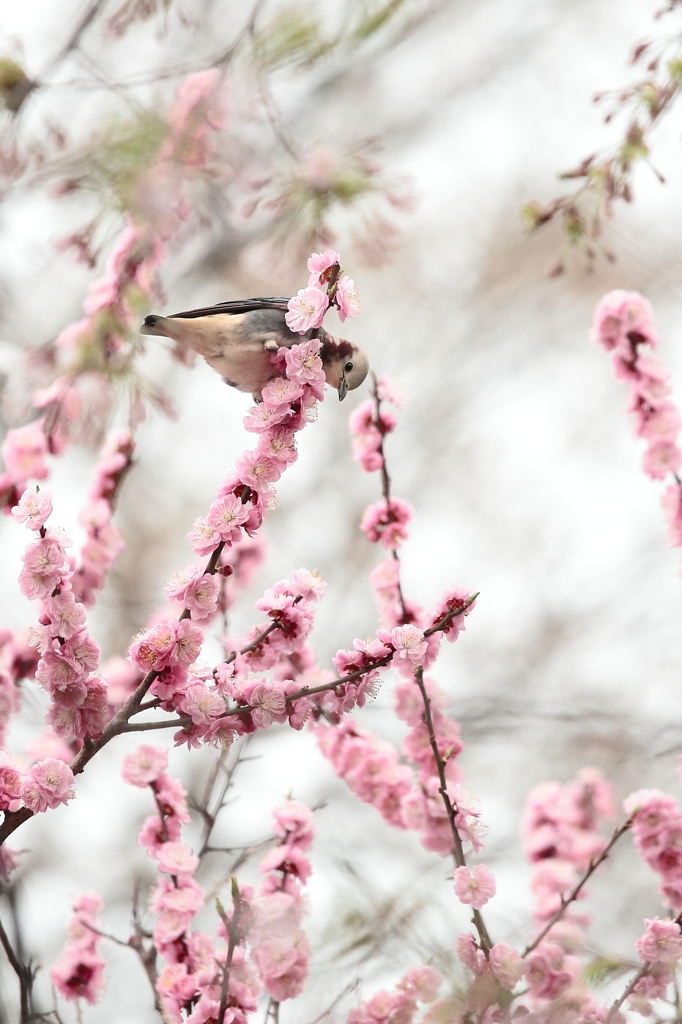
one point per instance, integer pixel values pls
(24, 975)
(450, 808)
(575, 891)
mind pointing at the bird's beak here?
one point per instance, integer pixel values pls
(343, 387)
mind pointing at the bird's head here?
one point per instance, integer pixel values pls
(345, 365)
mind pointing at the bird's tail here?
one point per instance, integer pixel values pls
(155, 325)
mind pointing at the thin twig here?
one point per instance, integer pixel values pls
(350, 987)
(616, 1005)
(24, 975)
(74, 38)
(386, 485)
(575, 891)
(450, 808)
(233, 937)
(641, 973)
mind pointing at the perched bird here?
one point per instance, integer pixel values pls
(238, 338)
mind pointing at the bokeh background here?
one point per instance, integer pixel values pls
(514, 447)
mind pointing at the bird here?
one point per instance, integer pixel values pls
(237, 339)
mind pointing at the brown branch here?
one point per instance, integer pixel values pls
(24, 975)
(616, 1005)
(386, 484)
(641, 973)
(450, 808)
(117, 725)
(233, 938)
(575, 891)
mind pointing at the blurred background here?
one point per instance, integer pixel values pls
(407, 135)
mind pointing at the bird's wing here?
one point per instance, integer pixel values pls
(239, 306)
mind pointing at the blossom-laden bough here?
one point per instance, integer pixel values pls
(270, 677)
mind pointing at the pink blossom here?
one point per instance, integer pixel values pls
(306, 310)
(618, 316)
(153, 648)
(66, 616)
(227, 515)
(261, 418)
(409, 643)
(319, 264)
(660, 425)
(202, 704)
(201, 596)
(44, 566)
(34, 508)
(10, 783)
(281, 393)
(185, 897)
(257, 470)
(347, 299)
(203, 537)
(550, 971)
(279, 443)
(660, 459)
(268, 704)
(144, 765)
(422, 982)
(390, 391)
(48, 784)
(48, 745)
(450, 602)
(661, 942)
(303, 363)
(387, 523)
(188, 642)
(294, 823)
(77, 974)
(469, 953)
(507, 965)
(176, 859)
(24, 450)
(179, 580)
(386, 574)
(474, 886)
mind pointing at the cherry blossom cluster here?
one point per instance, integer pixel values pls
(497, 974)
(623, 325)
(23, 452)
(406, 792)
(189, 985)
(420, 985)
(327, 287)
(104, 541)
(77, 974)
(279, 946)
(369, 424)
(562, 836)
(230, 700)
(68, 655)
(657, 832)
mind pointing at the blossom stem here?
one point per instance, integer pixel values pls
(632, 984)
(386, 487)
(575, 891)
(616, 1005)
(450, 808)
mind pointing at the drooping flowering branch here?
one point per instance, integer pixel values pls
(623, 325)
(607, 178)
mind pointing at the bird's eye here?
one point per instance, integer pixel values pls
(348, 367)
